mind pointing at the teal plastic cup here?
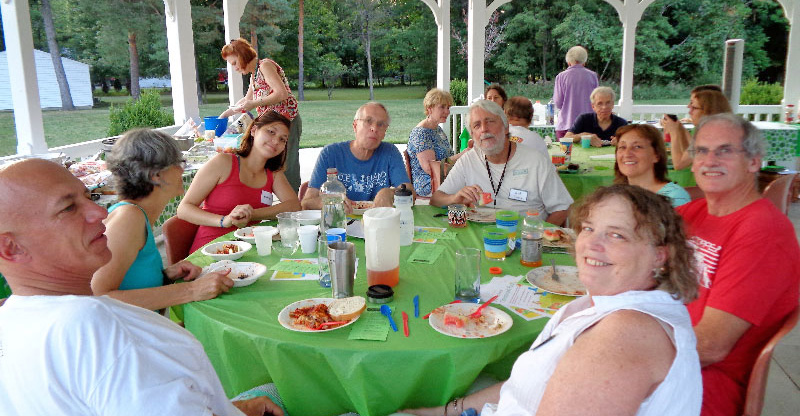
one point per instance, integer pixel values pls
(495, 243)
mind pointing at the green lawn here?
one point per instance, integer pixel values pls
(324, 121)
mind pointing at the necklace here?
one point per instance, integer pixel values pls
(502, 175)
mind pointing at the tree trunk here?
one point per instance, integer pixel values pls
(254, 40)
(300, 95)
(55, 55)
(369, 60)
(134, 57)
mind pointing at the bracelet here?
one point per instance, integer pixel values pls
(221, 221)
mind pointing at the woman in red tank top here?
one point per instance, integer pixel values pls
(233, 191)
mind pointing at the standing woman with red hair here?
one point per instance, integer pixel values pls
(269, 91)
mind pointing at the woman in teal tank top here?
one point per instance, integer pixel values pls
(147, 169)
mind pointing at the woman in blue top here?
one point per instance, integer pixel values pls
(147, 169)
(427, 141)
(642, 161)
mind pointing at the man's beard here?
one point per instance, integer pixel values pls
(494, 150)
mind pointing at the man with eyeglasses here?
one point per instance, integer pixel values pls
(518, 178)
(368, 168)
(748, 256)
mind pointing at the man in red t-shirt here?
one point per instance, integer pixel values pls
(750, 260)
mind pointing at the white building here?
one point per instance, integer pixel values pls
(80, 85)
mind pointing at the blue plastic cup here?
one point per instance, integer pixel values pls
(222, 125)
(336, 234)
(210, 123)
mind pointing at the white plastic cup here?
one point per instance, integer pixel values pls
(308, 238)
(263, 237)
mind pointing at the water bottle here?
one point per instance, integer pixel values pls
(538, 113)
(551, 112)
(532, 231)
(332, 193)
(403, 200)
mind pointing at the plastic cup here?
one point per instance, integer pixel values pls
(586, 141)
(468, 275)
(508, 221)
(287, 226)
(322, 261)
(222, 125)
(566, 147)
(336, 234)
(263, 236)
(558, 158)
(308, 238)
(495, 243)
(457, 215)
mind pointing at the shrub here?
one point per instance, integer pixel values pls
(146, 112)
(458, 89)
(755, 92)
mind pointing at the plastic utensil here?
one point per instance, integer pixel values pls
(416, 306)
(387, 312)
(555, 275)
(405, 324)
(480, 309)
(329, 324)
(429, 313)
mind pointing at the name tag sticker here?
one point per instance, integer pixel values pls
(518, 172)
(518, 195)
(266, 197)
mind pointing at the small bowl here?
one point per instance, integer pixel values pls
(243, 274)
(309, 217)
(245, 234)
(211, 250)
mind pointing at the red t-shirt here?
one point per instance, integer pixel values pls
(226, 196)
(751, 268)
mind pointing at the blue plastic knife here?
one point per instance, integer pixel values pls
(416, 306)
(387, 312)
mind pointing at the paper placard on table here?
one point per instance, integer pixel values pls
(425, 254)
(429, 235)
(529, 302)
(298, 269)
(371, 326)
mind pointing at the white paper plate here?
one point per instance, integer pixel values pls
(481, 215)
(495, 321)
(245, 234)
(565, 242)
(286, 321)
(211, 250)
(242, 273)
(568, 284)
(360, 206)
(309, 217)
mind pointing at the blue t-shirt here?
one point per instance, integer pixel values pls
(145, 272)
(362, 178)
(587, 123)
(676, 194)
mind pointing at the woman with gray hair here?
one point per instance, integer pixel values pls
(147, 169)
(601, 124)
(572, 89)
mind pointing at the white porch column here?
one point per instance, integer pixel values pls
(441, 14)
(181, 60)
(233, 10)
(630, 12)
(22, 73)
(791, 83)
(477, 19)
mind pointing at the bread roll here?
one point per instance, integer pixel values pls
(347, 309)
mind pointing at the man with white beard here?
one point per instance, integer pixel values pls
(517, 178)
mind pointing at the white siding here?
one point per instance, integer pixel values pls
(77, 75)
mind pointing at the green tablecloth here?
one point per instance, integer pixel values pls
(597, 173)
(327, 374)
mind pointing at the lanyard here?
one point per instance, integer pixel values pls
(502, 175)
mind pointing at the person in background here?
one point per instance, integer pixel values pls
(519, 112)
(572, 89)
(269, 91)
(496, 93)
(238, 189)
(67, 352)
(641, 160)
(751, 259)
(704, 101)
(147, 169)
(369, 168)
(517, 178)
(625, 348)
(427, 141)
(601, 124)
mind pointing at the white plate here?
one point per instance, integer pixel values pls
(495, 321)
(245, 234)
(250, 271)
(286, 321)
(568, 284)
(360, 206)
(309, 217)
(211, 250)
(481, 215)
(566, 240)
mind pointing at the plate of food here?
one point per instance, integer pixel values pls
(321, 314)
(453, 320)
(226, 250)
(245, 234)
(558, 237)
(360, 206)
(242, 273)
(568, 283)
(481, 215)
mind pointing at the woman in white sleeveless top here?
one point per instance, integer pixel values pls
(627, 348)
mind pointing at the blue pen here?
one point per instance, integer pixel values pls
(416, 306)
(387, 312)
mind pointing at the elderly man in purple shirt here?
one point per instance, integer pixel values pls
(572, 90)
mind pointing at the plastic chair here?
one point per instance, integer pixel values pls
(302, 191)
(779, 192)
(757, 385)
(178, 238)
(695, 192)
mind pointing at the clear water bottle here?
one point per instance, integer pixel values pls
(532, 231)
(403, 200)
(332, 193)
(551, 112)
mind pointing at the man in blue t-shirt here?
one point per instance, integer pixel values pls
(367, 167)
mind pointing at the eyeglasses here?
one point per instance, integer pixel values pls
(371, 122)
(725, 152)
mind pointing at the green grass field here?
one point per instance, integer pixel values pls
(324, 121)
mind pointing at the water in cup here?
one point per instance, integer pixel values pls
(287, 226)
(468, 275)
